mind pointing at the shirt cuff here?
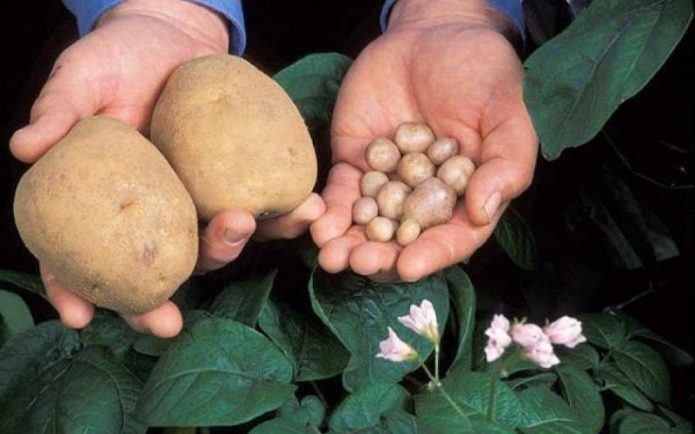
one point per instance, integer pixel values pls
(511, 8)
(88, 12)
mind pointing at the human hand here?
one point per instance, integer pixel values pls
(118, 70)
(446, 63)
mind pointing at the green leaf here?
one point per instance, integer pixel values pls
(313, 83)
(547, 413)
(219, 372)
(310, 411)
(645, 368)
(675, 418)
(583, 356)
(603, 330)
(616, 382)
(48, 385)
(368, 407)
(358, 311)
(15, 316)
(642, 423)
(462, 296)
(313, 350)
(675, 355)
(109, 329)
(28, 282)
(478, 396)
(580, 391)
(578, 79)
(544, 379)
(516, 239)
(243, 300)
(282, 426)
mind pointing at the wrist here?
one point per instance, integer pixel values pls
(198, 21)
(424, 14)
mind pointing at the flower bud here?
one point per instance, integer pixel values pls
(565, 331)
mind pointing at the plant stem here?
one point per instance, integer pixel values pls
(437, 384)
(436, 362)
(319, 393)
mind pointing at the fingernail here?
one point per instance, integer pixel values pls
(491, 204)
(232, 237)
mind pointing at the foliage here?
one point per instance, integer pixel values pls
(250, 354)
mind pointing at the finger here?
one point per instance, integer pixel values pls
(293, 224)
(374, 258)
(224, 238)
(75, 312)
(334, 257)
(65, 98)
(444, 245)
(342, 190)
(164, 321)
(508, 161)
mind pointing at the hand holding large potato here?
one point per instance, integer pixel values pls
(118, 70)
(449, 65)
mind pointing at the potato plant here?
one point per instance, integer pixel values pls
(275, 345)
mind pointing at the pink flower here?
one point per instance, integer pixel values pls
(422, 320)
(498, 338)
(527, 335)
(542, 353)
(565, 331)
(394, 349)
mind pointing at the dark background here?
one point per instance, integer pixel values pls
(629, 193)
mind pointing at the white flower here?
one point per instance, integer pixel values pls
(394, 349)
(565, 331)
(498, 338)
(422, 320)
(542, 353)
(527, 335)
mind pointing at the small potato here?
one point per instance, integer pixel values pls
(442, 149)
(382, 155)
(414, 137)
(407, 232)
(381, 229)
(430, 204)
(372, 182)
(391, 198)
(364, 210)
(455, 172)
(414, 168)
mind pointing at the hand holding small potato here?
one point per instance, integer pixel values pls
(446, 64)
(117, 71)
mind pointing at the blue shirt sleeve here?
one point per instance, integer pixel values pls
(88, 12)
(511, 8)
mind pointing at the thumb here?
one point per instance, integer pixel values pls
(508, 158)
(65, 98)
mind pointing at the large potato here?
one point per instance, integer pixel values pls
(234, 137)
(104, 211)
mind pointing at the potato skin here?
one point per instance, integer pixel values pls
(104, 211)
(234, 137)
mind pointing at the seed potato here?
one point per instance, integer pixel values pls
(371, 183)
(391, 198)
(381, 229)
(414, 168)
(414, 137)
(455, 172)
(382, 155)
(431, 203)
(364, 210)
